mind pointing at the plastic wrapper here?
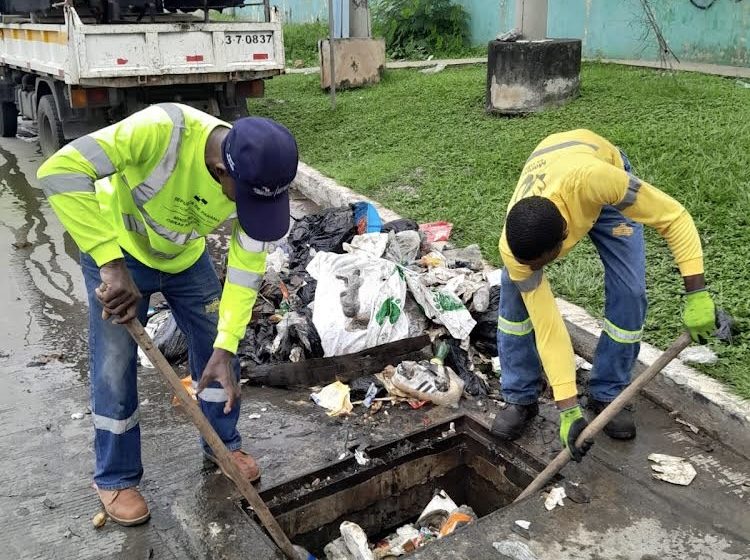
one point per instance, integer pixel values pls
(359, 302)
(436, 231)
(325, 231)
(484, 334)
(402, 224)
(458, 360)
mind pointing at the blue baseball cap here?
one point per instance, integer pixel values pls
(261, 156)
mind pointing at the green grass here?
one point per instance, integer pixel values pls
(301, 44)
(422, 145)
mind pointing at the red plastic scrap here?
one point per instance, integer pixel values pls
(415, 404)
(436, 231)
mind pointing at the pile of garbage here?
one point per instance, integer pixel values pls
(343, 282)
(440, 518)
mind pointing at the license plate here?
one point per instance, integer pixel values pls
(245, 39)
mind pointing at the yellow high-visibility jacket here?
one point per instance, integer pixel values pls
(581, 172)
(142, 185)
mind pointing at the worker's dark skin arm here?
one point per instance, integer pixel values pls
(118, 293)
(693, 283)
(219, 369)
(566, 403)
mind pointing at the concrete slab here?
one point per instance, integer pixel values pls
(358, 62)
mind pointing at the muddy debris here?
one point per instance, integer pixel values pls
(49, 504)
(554, 498)
(514, 550)
(521, 527)
(45, 359)
(675, 470)
(99, 520)
(322, 296)
(576, 492)
(440, 518)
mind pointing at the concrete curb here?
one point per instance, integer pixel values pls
(699, 399)
(714, 69)
(400, 64)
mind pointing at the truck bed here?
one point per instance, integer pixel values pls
(134, 54)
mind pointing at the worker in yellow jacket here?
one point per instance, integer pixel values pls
(138, 198)
(576, 184)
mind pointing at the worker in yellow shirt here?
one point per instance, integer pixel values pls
(576, 184)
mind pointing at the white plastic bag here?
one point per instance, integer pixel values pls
(356, 541)
(442, 306)
(359, 301)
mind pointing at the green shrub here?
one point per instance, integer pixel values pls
(301, 42)
(417, 28)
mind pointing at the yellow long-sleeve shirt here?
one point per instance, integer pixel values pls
(580, 172)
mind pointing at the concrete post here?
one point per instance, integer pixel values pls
(359, 18)
(531, 19)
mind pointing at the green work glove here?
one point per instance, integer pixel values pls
(572, 423)
(699, 315)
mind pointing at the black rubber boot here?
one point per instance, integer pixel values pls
(511, 420)
(622, 426)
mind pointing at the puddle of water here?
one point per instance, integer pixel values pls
(42, 290)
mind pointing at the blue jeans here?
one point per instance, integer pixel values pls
(620, 244)
(193, 297)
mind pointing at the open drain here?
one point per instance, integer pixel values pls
(472, 466)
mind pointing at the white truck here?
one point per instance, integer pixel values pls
(76, 76)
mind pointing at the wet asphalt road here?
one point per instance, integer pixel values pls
(46, 499)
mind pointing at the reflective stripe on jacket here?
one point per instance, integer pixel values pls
(142, 185)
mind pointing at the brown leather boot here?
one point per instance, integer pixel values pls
(244, 462)
(126, 507)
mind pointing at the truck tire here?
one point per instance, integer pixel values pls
(51, 136)
(8, 119)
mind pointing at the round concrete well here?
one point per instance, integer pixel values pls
(528, 76)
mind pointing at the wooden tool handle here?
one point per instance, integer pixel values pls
(607, 414)
(223, 457)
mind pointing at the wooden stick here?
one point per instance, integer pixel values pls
(383, 399)
(331, 64)
(607, 414)
(223, 457)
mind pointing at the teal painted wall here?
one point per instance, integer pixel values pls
(618, 28)
(488, 17)
(719, 34)
(303, 10)
(296, 11)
